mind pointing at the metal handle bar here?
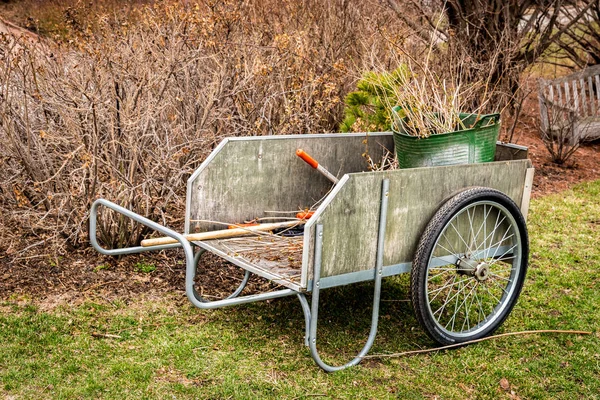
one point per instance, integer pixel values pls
(190, 269)
(133, 216)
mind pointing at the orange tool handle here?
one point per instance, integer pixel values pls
(305, 214)
(308, 159)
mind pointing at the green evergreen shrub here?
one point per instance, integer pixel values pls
(368, 109)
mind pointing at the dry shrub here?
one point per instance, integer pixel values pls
(432, 97)
(432, 84)
(56, 18)
(127, 111)
(563, 132)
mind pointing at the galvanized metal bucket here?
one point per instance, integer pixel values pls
(474, 145)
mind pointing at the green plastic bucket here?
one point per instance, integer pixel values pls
(468, 146)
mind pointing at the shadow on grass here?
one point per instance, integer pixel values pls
(344, 321)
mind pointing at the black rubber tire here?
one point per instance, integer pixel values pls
(423, 256)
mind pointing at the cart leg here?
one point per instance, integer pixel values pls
(306, 312)
(313, 315)
(242, 285)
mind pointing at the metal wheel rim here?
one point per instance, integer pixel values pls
(470, 285)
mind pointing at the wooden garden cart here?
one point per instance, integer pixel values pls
(459, 230)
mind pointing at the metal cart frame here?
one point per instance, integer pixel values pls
(366, 228)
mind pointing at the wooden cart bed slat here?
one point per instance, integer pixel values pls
(271, 256)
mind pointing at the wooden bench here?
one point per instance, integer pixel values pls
(572, 99)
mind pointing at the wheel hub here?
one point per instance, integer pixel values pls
(482, 272)
(479, 269)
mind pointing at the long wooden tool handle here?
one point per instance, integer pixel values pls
(221, 234)
(313, 163)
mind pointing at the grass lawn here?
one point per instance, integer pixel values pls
(165, 348)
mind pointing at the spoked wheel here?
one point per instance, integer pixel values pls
(469, 267)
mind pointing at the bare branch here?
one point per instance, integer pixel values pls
(406, 18)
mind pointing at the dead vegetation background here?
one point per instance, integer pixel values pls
(126, 106)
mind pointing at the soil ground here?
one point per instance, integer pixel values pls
(86, 274)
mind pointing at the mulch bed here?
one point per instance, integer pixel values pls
(87, 274)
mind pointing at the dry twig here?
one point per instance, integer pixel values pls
(452, 346)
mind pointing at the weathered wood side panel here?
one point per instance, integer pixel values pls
(245, 177)
(350, 218)
(509, 151)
